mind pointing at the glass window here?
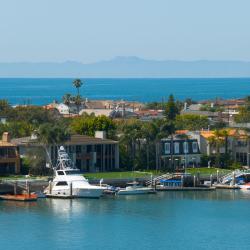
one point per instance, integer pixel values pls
(167, 148)
(195, 147)
(60, 172)
(176, 147)
(62, 183)
(185, 147)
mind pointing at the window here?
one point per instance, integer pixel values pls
(78, 149)
(167, 148)
(176, 148)
(62, 183)
(195, 147)
(185, 147)
(60, 172)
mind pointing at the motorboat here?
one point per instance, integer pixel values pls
(134, 188)
(69, 182)
(245, 186)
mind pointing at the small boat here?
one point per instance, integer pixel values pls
(19, 197)
(245, 186)
(134, 188)
(69, 182)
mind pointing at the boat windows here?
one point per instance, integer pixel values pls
(62, 183)
(60, 172)
(72, 172)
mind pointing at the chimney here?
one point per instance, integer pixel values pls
(6, 137)
(100, 134)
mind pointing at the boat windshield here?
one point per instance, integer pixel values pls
(72, 172)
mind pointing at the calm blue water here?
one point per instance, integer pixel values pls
(42, 91)
(170, 220)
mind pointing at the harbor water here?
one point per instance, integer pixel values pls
(167, 220)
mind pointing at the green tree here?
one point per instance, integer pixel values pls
(88, 124)
(48, 135)
(191, 122)
(78, 100)
(171, 109)
(4, 105)
(67, 99)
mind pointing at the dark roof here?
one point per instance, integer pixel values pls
(74, 140)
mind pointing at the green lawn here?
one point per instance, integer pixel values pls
(208, 171)
(118, 175)
(22, 177)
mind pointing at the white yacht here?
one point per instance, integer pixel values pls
(135, 188)
(68, 182)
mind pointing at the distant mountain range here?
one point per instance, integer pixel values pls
(128, 67)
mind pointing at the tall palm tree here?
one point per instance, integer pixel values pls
(78, 83)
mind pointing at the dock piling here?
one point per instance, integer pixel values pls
(211, 180)
(71, 189)
(15, 188)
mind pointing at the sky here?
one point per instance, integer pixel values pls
(93, 30)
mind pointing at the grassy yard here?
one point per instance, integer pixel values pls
(22, 177)
(118, 175)
(208, 171)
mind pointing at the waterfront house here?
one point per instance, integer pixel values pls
(9, 156)
(89, 154)
(180, 151)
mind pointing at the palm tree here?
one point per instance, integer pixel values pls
(78, 83)
(67, 99)
(49, 135)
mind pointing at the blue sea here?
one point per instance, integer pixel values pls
(44, 90)
(205, 220)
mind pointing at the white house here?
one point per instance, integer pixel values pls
(63, 109)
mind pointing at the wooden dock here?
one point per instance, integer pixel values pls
(185, 188)
(223, 186)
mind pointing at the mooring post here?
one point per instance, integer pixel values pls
(182, 180)
(217, 176)
(211, 180)
(194, 180)
(15, 188)
(198, 178)
(28, 188)
(71, 189)
(233, 177)
(50, 187)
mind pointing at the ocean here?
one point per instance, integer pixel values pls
(205, 220)
(40, 91)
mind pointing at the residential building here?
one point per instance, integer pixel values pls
(89, 154)
(180, 152)
(9, 156)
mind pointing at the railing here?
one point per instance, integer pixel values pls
(158, 178)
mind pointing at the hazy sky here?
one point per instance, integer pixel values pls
(93, 30)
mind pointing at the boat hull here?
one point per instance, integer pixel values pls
(136, 191)
(77, 193)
